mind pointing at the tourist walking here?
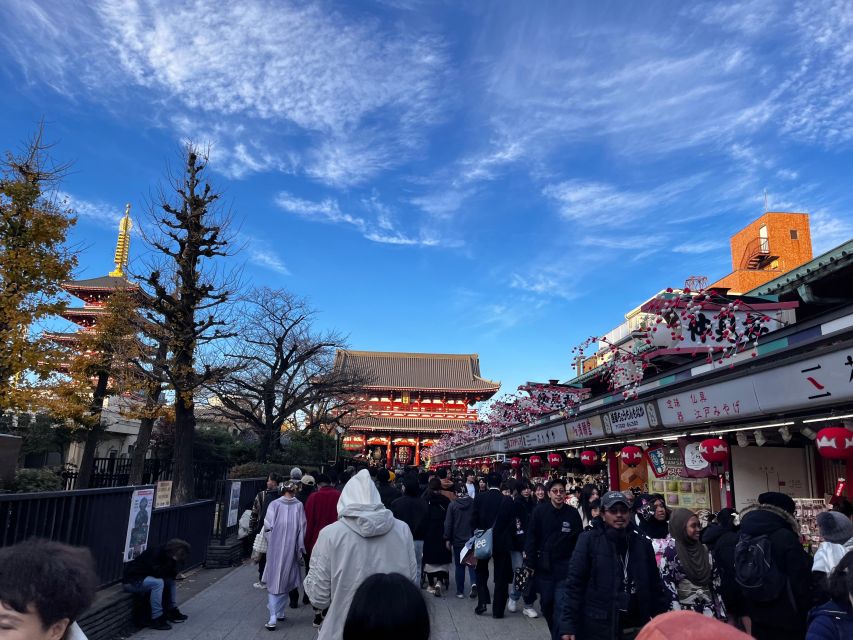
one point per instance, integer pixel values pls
(836, 529)
(458, 529)
(653, 522)
(721, 538)
(412, 509)
(154, 572)
(284, 528)
(387, 491)
(519, 526)
(256, 520)
(833, 619)
(776, 594)
(436, 560)
(365, 540)
(470, 485)
(321, 510)
(614, 586)
(306, 488)
(44, 589)
(551, 538)
(588, 494)
(687, 568)
(492, 511)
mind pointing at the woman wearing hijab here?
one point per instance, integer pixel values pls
(653, 517)
(284, 528)
(588, 494)
(688, 570)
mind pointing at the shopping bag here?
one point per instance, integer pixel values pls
(483, 544)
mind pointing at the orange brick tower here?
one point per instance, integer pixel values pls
(765, 249)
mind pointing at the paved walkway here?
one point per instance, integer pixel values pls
(232, 609)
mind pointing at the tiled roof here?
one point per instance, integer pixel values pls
(103, 282)
(406, 424)
(433, 371)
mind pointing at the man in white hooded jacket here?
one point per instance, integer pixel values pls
(365, 540)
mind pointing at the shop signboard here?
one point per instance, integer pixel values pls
(585, 429)
(826, 379)
(721, 401)
(544, 437)
(631, 419)
(707, 329)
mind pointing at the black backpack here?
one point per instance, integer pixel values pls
(755, 572)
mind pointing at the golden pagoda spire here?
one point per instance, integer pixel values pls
(123, 244)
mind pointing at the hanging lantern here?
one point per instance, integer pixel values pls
(589, 458)
(835, 443)
(555, 460)
(714, 450)
(631, 455)
(515, 463)
(535, 462)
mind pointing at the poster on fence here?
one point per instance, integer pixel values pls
(164, 494)
(138, 523)
(234, 504)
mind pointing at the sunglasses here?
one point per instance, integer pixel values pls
(618, 509)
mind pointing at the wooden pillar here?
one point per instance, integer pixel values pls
(417, 451)
(388, 457)
(613, 469)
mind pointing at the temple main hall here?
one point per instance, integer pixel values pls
(409, 400)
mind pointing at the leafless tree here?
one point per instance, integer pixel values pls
(283, 371)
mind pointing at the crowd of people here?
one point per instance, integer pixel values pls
(600, 565)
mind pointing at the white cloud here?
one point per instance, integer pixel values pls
(97, 211)
(828, 231)
(699, 246)
(261, 255)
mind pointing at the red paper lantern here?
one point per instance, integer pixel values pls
(835, 443)
(714, 450)
(535, 462)
(555, 460)
(515, 463)
(631, 455)
(589, 458)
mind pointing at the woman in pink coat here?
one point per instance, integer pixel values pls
(284, 528)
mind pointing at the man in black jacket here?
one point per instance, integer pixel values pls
(412, 509)
(785, 616)
(387, 491)
(154, 572)
(551, 538)
(492, 510)
(614, 586)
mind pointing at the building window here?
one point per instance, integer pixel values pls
(794, 234)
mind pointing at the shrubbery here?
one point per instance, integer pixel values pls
(258, 470)
(36, 480)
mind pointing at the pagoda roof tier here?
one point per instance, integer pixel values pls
(62, 336)
(427, 425)
(102, 284)
(458, 373)
(70, 312)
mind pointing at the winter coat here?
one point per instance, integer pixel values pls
(788, 612)
(551, 538)
(367, 539)
(284, 529)
(590, 594)
(722, 542)
(448, 489)
(388, 493)
(412, 511)
(519, 523)
(321, 510)
(152, 562)
(492, 511)
(259, 508)
(305, 493)
(435, 551)
(457, 525)
(830, 621)
(707, 601)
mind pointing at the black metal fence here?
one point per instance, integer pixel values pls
(249, 488)
(115, 472)
(97, 519)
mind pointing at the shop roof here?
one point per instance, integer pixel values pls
(833, 260)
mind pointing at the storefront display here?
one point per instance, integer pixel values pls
(806, 513)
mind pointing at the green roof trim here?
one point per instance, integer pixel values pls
(828, 262)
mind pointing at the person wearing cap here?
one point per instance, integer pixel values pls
(387, 491)
(296, 474)
(551, 538)
(836, 529)
(783, 617)
(284, 528)
(614, 586)
(306, 488)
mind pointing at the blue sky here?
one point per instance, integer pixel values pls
(505, 178)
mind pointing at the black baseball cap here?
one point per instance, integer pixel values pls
(612, 498)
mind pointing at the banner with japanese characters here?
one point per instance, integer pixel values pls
(585, 429)
(631, 419)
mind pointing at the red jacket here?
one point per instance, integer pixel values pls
(320, 510)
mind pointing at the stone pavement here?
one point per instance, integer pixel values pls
(232, 609)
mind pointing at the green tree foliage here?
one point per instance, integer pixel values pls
(34, 261)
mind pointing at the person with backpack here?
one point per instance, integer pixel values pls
(721, 537)
(772, 570)
(688, 570)
(833, 620)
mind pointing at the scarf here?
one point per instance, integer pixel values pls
(654, 528)
(692, 554)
